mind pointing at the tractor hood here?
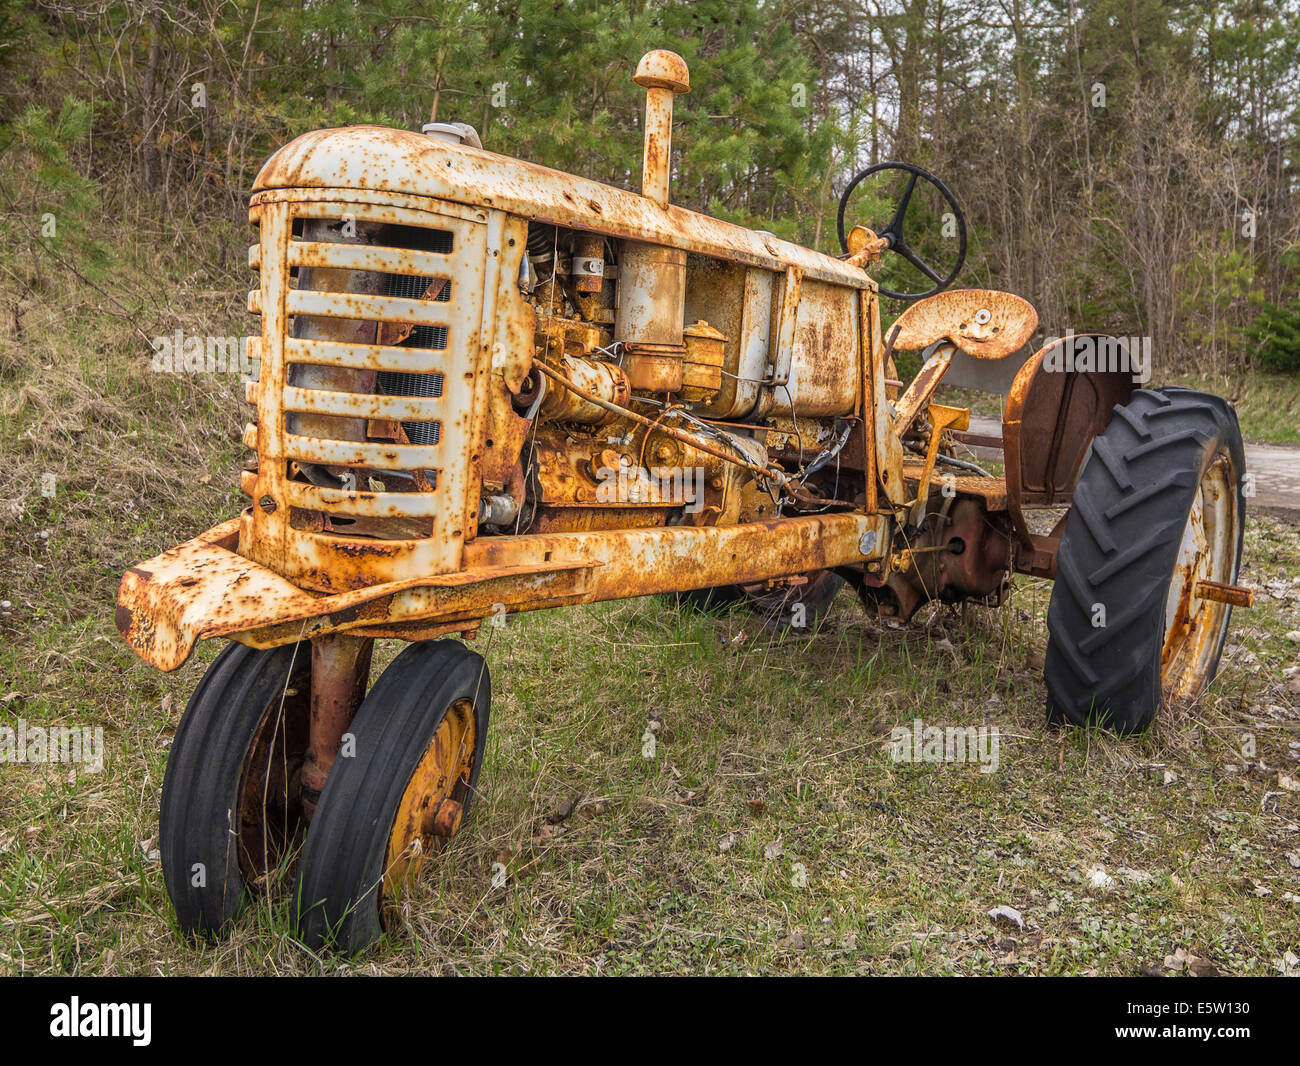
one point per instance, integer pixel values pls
(384, 160)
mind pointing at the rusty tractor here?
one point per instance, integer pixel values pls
(489, 387)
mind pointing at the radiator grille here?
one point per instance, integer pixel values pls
(369, 348)
(434, 338)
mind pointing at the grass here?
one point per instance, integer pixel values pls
(1267, 402)
(769, 833)
(651, 873)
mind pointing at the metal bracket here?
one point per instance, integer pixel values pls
(918, 394)
(783, 357)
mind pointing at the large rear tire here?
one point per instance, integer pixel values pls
(1158, 506)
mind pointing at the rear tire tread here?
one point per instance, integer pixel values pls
(1119, 549)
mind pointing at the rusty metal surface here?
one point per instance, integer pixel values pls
(651, 294)
(825, 361)
(340, 668)
(311, 387)
(882, 445)
(200, 585)
(662, 69)
(736, 300)
(1219, 592)
(1203, 590)
(1050, 421)
(942, 418)
(655, 368)
(918, 394)
(992, 490)
(573, 474)
(365, 478)
(544, 316)
(792, 341)
(333, 164)
(606, 380)
(702, 363)
(204, 589)
(662, 74)
(983, 323)
(977, 440)
(787, 322)
(1038, 557)
(589, 262)
(367, 494)
(433, 801)
(963, 553)
(864, 247)
(505, 434)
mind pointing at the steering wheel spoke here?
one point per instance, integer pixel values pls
(896, 223)
(893, 231)
(903, 249)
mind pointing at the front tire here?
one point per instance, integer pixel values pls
(1158, 506)
(419, 739)
(230, 804)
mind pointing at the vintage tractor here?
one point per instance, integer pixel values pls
(488, 387)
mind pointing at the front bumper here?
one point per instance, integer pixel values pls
(204, 588)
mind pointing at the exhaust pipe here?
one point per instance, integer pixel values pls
(662, 74)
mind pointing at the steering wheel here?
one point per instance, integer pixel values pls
(893, 232)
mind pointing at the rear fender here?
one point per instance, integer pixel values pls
(1052, 416)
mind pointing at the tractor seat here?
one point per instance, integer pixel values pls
(983, 323)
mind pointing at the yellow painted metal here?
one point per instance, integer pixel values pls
(433, 801)
(327, 560)
(941, 418)
(359, 526)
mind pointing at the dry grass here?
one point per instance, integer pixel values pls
(1267, 402)
(900, 863)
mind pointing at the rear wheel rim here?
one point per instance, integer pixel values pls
(1207, 551)
(434, 799)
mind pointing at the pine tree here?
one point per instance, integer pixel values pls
(1277, 332)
